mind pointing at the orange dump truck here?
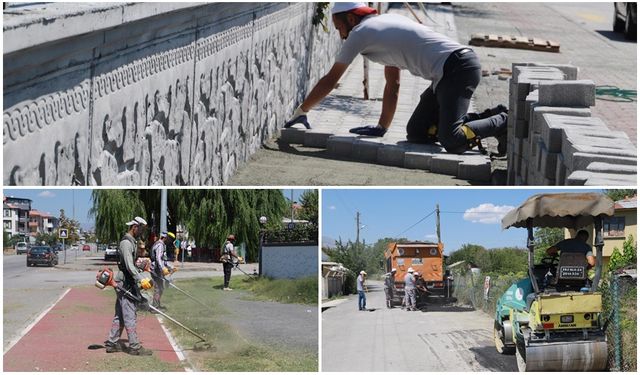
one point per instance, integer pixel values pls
(424, 257)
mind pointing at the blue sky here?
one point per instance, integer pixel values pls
(52, 200)
(467, 215)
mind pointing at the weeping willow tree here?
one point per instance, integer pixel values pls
(112, 209)
(211, 215)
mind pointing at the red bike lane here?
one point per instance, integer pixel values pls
(60, 340)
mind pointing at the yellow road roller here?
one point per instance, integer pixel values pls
(552, 320)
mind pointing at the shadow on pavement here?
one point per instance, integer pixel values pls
(491, 360)
(612, 35)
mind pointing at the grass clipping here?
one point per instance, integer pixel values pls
(230, 351)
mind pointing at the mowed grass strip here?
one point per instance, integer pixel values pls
(230, 351)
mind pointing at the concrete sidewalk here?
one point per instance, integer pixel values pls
(345, 109)
(60, 340)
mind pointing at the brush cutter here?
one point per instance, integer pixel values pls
(104, 278)
(180, 290)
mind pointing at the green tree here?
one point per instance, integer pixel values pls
(309, 202)
(627, 256)
(545, 238)
(112, 209)
(618, 194)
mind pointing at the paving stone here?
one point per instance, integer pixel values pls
(340, 145)
(567, 93)
(366, 150)
(552, 128)
(292, 135)
(446, 164)
(477, 168)
(392, 155)
(580, 160)
(536, 121)
(612, 168)
(317, 138)
(579, 178)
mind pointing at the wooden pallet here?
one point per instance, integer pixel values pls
(517, 42)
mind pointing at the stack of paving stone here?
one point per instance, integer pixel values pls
(553, 140)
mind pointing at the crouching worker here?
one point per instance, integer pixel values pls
(399, 43)
(131, 279)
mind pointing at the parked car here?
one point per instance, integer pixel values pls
(111, 254)
(22, 248)
(86, 248)
(42, 255)
(625, 19)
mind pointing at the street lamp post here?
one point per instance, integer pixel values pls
(263, 223)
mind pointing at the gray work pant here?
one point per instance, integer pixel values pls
(158, 287)
(124, 318)
(447, 107)
(410, 298)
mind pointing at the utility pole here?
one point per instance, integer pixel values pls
(357, 227)
(438, 222)
(163, 210)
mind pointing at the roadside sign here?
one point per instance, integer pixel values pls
(63, 233)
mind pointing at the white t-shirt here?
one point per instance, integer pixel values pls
(395, 40)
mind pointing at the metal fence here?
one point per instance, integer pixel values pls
(619, 299)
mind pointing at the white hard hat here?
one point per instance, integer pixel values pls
(410, 270)
(362, 8)
(137, 221)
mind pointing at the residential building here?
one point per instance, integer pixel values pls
(15, 217)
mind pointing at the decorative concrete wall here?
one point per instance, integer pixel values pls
(151, 94)
(289, 261)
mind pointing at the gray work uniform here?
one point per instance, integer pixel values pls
(127, 278)
(453, 69)
(410, 290)
(159, 261)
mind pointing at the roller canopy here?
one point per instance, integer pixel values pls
(564, 210)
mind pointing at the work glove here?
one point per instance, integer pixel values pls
(146, 283)
(370, 130)
(299, 117)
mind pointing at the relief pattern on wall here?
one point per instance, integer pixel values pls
(187, 115)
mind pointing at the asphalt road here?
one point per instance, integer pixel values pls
(438, 338)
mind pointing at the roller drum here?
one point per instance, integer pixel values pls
(567, 356)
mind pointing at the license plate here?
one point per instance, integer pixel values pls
(576, 273)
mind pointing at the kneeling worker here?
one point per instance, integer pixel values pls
(399, 43)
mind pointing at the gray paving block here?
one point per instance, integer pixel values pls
(392, 155)
(536, 121)
(292, 135)
(580, 160)
(317, 138)
(340, 145)
(366, 150)
(612, 168)
(446, 164)
(548, 162)
(579, 178)
(552, 127)
(476, 168)
(567, 93)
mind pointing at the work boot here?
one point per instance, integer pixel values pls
(114, 348)
(140, 351)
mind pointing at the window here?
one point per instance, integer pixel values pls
(614, 226)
